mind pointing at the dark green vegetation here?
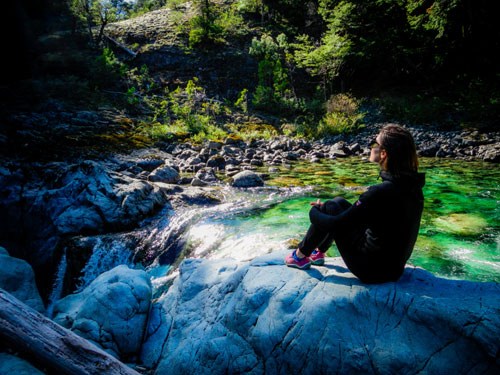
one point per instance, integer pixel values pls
(308, 68)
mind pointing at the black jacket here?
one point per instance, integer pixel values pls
(379, 230)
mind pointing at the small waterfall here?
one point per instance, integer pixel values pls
(106, 255)
(57, 287)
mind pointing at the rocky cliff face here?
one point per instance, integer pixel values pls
(161, 43)
(262, 317)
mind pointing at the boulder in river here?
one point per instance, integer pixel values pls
(461, 224)
(247, 179)
(207, 175)
(111, 312)
(261, 317)
(165, 174)
(17, 278)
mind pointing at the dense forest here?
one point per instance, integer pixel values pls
(322, 67)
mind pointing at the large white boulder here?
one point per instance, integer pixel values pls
(262, 317)
(17, 278)
(111, 312)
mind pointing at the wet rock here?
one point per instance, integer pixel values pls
(290, 156)
(10, 364)
(317, 155)
(199, 196)
(429, 149)
(277, 145)
(355, 148)
(216, 161)
(207, 175)
(231, 170)
(111, 312)
(232, 141)
(490, 153)
(197, 182)
(65, 200)
(214, 145)
(260, 317)
(193, 161)
(186, 154)
(164, 174)
(185, 180)
(246, 179)
(17, 278)
(461, 224)
(150, 164)
(338, 154)
(442, 152)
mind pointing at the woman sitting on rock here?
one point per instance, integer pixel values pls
(375, 236)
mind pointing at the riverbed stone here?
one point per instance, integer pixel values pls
(261, 317)
(490, 153)
(246, 179)
(165, 174)
(111, 312)
(17, 278)
(206, 175)
(150, 165)
(461, 224)
(216, 161)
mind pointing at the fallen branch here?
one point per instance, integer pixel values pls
(118, 44)
(50, 345)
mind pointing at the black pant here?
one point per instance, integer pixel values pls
(322, 240)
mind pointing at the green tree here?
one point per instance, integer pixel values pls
(204, 28)
(83, 9)
(274, 91)
(98, 13)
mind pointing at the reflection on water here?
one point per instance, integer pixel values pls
(459, 236)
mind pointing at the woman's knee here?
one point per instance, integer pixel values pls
(335, 206)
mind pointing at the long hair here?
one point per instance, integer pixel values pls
(400, 147)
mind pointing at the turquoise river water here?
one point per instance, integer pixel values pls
(460, 229)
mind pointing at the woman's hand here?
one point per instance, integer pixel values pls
(317, 203)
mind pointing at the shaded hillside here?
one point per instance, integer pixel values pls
(160, 39)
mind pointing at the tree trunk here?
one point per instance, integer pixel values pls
(89, 28)
(101, 32)
(50, 345)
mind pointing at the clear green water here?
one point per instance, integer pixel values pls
(460, 229)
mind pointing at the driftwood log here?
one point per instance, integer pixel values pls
(118, 44)
(51, 346)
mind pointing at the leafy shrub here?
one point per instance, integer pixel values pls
(107, 70)
(343, 116)
(274, 92)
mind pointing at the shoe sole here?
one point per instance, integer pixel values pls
(304, 267)
(319, 262)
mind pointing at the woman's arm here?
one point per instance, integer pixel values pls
(353, 215)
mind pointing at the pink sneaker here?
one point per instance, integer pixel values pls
(292, 260)
(317, 258)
